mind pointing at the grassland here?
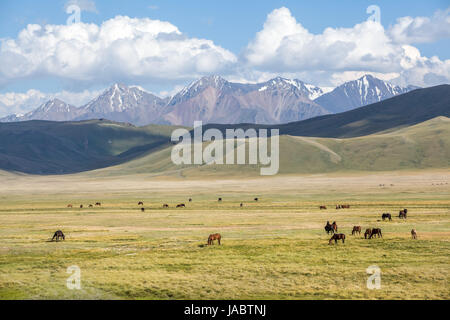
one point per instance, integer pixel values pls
(275, 248)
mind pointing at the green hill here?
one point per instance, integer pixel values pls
(44, 147)
(422, 146)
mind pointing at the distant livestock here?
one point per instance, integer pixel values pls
(81, 206)
(402, 213)
(336, 237)
(58, 235)
(98, 204)
(256, 199)
(367, 233)
(376, 232)
(241, 204)
(91, 206)
(181, 205)
(331, 227)
(165, 205)
(356, 230)
(220, 199)
(69, 206)
(140, 203)
(385, 216)
(212, 237)
(190, 199)
(322, 207)
(414, 234)
(143, 209)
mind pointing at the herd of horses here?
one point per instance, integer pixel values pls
(329, 227)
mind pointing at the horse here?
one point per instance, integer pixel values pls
(386, 216)
(81, 206)
(212, 237)
(414, 234)
(402, 214)
(322, 207)
(69, 206)
(58, 234)
(140, 203)
(334, 226)
(336, 237)
(256, 199)
(181, 205)
(368, 233)
(242, 205)
(98, 204)
(345, 206)
(165, 205)
(220, 199)
(329, 228)
(356, 229)
(91, 206)
(143, 209)
(376, 232)
(190, 199)
(338, 206)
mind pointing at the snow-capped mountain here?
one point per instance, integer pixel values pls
(216, 100)
(357, 93)
(124, 104)
(54, 109)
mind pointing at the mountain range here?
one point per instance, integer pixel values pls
(411, 130)
(215, 100)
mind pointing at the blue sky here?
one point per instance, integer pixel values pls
(228, 31)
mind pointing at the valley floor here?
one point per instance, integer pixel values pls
(275, 248)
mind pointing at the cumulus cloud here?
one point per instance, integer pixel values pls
(21, 103)
(410, 30)
(120, 49)
(284, 45)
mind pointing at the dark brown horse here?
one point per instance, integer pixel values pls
(220, 199)
(414, 234)
(91, 206)
(212, 237)
(334, 226)
(98, 204)
(58, 234)
(328, 228)
(345, 206)
(386, 216)
(190, 199)
(256, 199)
(140, 203)
(143, 209)
(69, 206)
(81, 206)
(367, 233)
(165, 205)
(376, 232)
(402, 213)
(322, 207)
(181, 205)
(336, 237)
(242, 204)
(356, 230)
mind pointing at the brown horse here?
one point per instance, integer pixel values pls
(81, 206)
(69, 206)
(336, 237)
(414, 234)
(212, 237)
(322, 207)
(402, 213)
(242, 204)
(98, 204)
(376, 232)
(386, 216)
(91, 206)
(356, 230)
(165, 205)
(140, 203)
(143, 209)
(256, 199)
(181, 205)
(58, 234)
(190, 199)
(334, 226)
(345, 206)
(220, 199)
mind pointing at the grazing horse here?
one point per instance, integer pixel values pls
(81, 206)
(368, 233)
(414, 234)
(190, 199)
(140, 203)
(256, 199)
(336, 237)
(91, 206)
(220, 199)
(345, 206)
(181, 205)
(386, 216)
(69, 206)
(334, 226)
(329, 228)
(98, 204)
(143, 209)
(402, 213)
(242, 204)
(58, 234)
(165, 205)
(212, 237)
(376, 232)
(356, 230)
(322, 207)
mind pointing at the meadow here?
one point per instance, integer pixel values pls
(275, 248)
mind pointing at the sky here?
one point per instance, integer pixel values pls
(47, 50)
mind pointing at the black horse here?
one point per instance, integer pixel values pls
(329, 228)
(58, 234)
(385, 216)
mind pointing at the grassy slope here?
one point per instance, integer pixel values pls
(426, 145)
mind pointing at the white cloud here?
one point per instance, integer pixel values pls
(410, 30)
(20, 103)
(285, 46)
(120, 49)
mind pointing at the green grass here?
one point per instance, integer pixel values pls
(273, 249)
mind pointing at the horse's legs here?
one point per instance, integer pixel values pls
(218, 241)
